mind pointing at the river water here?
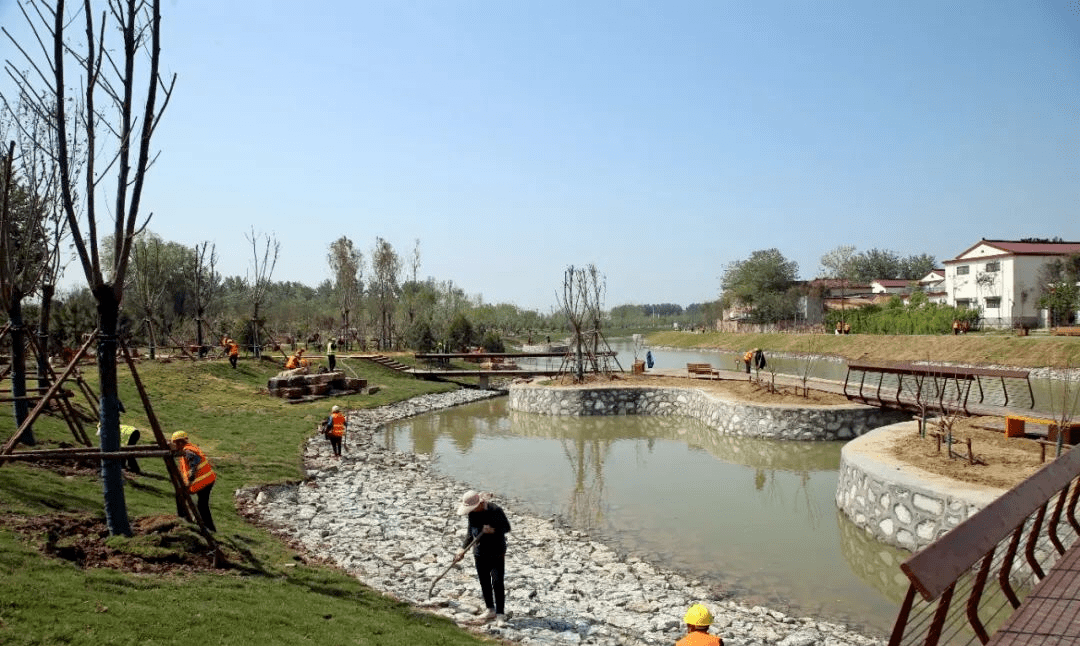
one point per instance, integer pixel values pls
(757, 519)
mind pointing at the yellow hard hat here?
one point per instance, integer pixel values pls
(179, 435)
(698, 615)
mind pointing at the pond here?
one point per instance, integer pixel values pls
(756, 519)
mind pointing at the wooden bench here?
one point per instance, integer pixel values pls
(699, 369)
(1028, 533)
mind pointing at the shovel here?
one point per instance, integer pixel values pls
(467, 548)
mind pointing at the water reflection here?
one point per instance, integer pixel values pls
(754, 518)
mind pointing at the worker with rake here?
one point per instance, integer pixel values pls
(486, 533)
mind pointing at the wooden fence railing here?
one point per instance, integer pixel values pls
(966, 584)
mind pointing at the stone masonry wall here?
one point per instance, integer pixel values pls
(898, 505)
(726, 416)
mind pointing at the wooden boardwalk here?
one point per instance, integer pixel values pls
(1050, 615)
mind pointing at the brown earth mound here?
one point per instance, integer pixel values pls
(158, 545)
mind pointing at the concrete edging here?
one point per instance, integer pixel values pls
(727, 416)
(897, 503)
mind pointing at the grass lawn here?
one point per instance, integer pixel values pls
(269, 596)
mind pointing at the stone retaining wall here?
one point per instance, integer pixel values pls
(727, 416)
(898, 504)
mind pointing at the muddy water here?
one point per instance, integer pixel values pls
(755, 518)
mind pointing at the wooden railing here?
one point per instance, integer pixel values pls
(1016, 540)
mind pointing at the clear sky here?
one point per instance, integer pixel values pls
(658, 140)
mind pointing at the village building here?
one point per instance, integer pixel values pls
(1000, 278)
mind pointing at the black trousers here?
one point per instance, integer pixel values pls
(202, 502)
(335, 443)
(132, 463)
(490, 569)
(332, 360)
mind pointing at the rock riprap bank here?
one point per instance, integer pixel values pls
(387, 518)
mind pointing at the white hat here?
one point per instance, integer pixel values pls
(334, 409)
(470, 501)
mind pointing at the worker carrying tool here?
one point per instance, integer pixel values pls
(487, 530)
(697, 620)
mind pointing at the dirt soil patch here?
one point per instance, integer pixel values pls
(748, 391)
(999, 461)
(158, 545)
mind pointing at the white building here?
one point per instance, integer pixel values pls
(933, 285)
(1000, 278)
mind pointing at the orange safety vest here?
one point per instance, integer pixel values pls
(204, 473)
(234, 350)
(292, 363)
(748, 356)
(338, 429)
(698, 638)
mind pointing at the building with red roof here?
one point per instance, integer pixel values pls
(1001, 278)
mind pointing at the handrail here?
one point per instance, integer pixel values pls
(1018, 534)
(941, 563)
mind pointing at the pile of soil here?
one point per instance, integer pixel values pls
(158, 545)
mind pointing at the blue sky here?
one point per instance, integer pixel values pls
(658, 140)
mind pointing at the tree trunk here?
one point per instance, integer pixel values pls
(47, 292)
(112, 477)
(199, 334)
(18, 368)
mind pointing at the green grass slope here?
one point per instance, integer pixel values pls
(979, 349)
(270, 596)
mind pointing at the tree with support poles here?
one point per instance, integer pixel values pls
(104, 114)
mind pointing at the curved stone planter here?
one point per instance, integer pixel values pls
(897, 503)
(727, 416)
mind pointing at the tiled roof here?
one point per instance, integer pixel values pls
(1028, 248)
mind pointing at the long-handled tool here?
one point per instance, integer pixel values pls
(452, 564)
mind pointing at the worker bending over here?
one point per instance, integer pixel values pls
(198, 476)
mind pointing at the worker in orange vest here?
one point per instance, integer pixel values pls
(198, 476)
(747, 358)
(697, 620)
(335, 429)
(232, 349)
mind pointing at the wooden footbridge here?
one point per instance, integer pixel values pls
(926, 388)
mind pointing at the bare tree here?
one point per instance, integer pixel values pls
(206, 283)
(37, 177)
(115, 60)
(259, 281)
(840, 264)
(148, 281)
(581, 302)
(347, 263)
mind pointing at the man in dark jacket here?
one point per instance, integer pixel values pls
(487, 530)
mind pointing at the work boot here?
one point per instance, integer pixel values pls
(488, 615)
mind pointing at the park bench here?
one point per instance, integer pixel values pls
(1016, 563)
(699, 369)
